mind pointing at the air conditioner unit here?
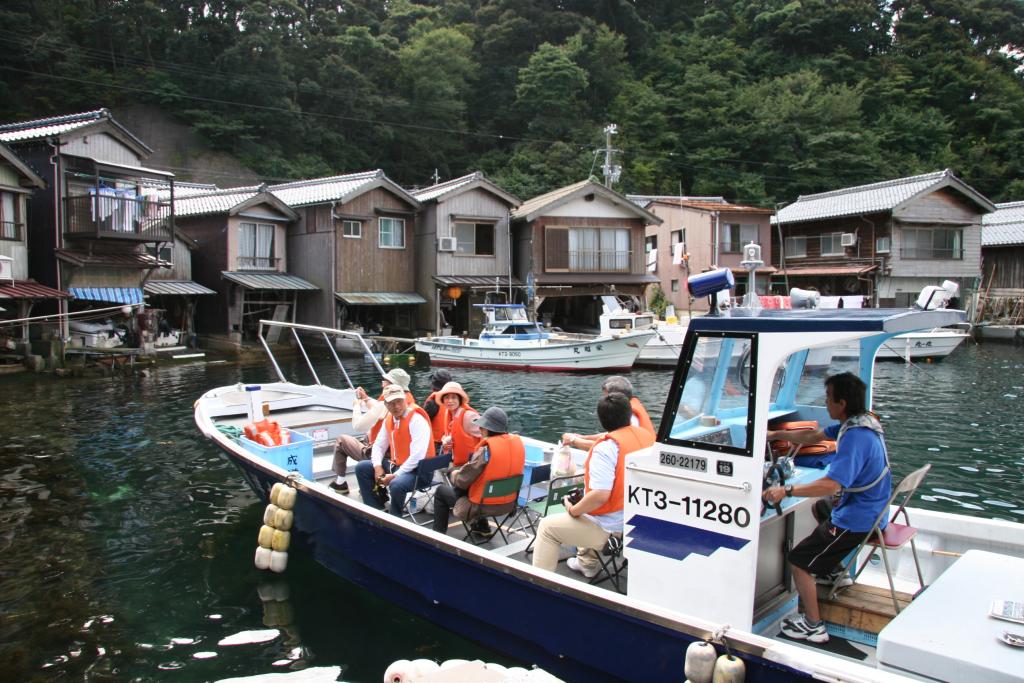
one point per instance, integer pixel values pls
(447, 244)
(848, 239)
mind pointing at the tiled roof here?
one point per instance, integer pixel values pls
(450, 187)
(1003, 227)
(197, 202)
(532, 208)
(58, 125)
(335, 188)
(873, 198)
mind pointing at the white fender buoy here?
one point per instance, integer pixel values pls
(700, 662)
(401, 671)
(280, 540)
(729, 669)
(283, 519)
(266, 537)
(425, 666)
(278, 561)
(286, 498)
(275, 491)
(453, 663)
(268, 514)
(262, 558)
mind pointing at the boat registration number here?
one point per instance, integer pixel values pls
(685, 462)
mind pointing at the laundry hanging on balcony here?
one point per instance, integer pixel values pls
(119, 210)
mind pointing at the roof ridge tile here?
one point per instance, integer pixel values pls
(94, 115)
(894, 182)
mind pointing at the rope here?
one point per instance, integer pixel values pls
(719, 637)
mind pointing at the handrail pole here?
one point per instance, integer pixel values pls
(373, 358)
(270, 354)
(337, 360)
(306, 356)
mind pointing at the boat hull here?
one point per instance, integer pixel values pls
(525, 615)
(599, 354)
(935, 345)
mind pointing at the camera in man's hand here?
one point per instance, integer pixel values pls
(574, 496)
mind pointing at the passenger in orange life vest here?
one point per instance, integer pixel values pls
(640, 418)
(367, 417)
(499, 455)
(397, 451)
(435, 410)
(462, 435)
(588, 523)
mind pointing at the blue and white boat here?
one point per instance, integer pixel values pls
(509, 340)
(705, 562)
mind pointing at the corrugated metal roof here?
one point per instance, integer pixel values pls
(645, 200)
(828, 270)
(124, 260)
(268, 281)
(176, 288)
(58, 125)
(594, 278)
(476, 280)
(29, 289)
(873, 198)
(1004, 227)
(115, 295)
(379, 298)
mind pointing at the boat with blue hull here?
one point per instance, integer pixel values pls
(705, 561)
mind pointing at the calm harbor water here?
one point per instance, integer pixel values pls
(127, 540)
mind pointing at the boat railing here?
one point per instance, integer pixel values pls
(327, 333)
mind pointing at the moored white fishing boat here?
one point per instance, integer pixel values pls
(704, 561)
(662, 349)
(511, 341)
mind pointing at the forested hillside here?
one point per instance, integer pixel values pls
(758, 100)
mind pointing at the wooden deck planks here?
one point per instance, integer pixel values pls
(866, 608)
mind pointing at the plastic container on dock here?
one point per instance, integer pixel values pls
(296, 456)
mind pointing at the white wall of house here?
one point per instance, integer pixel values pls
(599, 207)
(14, 197)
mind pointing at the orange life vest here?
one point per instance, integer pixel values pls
(782, 447)
(463, 443)
(628, 439)
(400, 438)
(642, 418)
(375, 429)
(266, 432)
(507, 459)
(439, 423)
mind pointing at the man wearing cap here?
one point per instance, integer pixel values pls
(461, 435)
(435, 409)
(499, 455)
(397, 451)
(367, 417)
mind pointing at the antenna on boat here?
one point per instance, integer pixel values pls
(751, 260)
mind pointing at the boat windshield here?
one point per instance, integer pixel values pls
(640, 322)
(517, 314)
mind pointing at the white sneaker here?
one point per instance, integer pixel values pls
(798, 629)
(844, 579)
(573, 563)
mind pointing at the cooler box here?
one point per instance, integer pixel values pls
(534, 459)
(296, 456)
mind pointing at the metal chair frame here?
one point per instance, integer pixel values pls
(425, 482)
(557, 490)
(494, 488)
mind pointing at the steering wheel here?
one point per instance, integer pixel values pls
(768, 481)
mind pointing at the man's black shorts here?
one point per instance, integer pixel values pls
(824, 550)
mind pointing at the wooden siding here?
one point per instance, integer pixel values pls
(310, 260)
(9, 177)
(426, 266)
(16, 249)
(941, 206)
(473, 204)
(208, 260)
(634, 225)
(867, 231)
(181, 257)
(103, 277)
(969, 266)
(280, 243)
(1007, 263)
(103, 147)
(361, 265)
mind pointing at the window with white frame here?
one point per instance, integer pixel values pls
(832, 244)
(932, 243)
(734, 235)
(256, 247)
(474, 239)
(677, 236)
(392, 233)
(883, 244)
(795, 247)
(10, 221)
(164, 253)
(353, 229)
(599, 249)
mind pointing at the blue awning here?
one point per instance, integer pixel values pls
(113, 295)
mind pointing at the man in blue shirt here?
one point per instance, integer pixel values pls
(858, 477)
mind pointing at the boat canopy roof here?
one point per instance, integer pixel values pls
(887, 320)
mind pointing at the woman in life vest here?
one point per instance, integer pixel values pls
(462, 435)
(639, 418)
(367, 417)
(499, 455)
(589, 522)
(435, 409)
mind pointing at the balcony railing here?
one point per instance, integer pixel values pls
(912, 253)
(728, 247)
(10, 230)
(257, 262)
(599, 261)
(110, 216)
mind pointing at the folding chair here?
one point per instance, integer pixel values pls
(496, 488)
(538, 475)
(612, 562)
(425, 482)
(893, 537)
(558, 489)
